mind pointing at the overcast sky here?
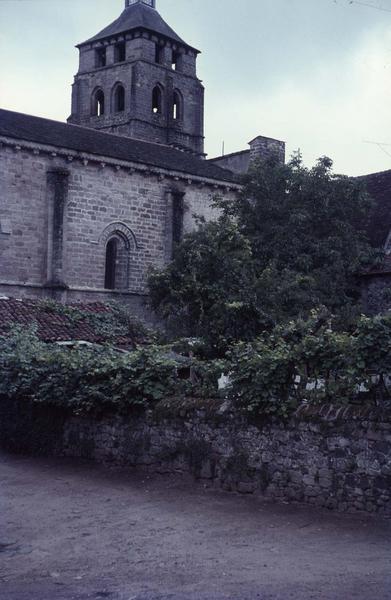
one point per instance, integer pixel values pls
(315, 73)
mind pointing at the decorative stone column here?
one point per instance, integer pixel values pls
(174, 222)
(57, 187)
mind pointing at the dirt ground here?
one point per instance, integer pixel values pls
(75, 531)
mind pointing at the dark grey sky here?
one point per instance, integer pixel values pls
(316, 73)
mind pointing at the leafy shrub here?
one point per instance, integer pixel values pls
(293, 241)
(303, 361)
(209, 289)
(309, 361)
(84, 379)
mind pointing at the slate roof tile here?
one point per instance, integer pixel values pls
(82, 139)
(142, 17)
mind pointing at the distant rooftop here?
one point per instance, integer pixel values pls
(62, 323)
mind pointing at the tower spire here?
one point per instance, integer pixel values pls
(151, 3)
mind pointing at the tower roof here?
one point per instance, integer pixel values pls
(139, 16)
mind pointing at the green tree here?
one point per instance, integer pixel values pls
(209, 290)
(293, 241)
(307, 231)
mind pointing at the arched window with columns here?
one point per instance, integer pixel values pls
(111, 264)
(98, 103)
(157, 100)
(177, 106)
(119, 245)
(117, 263)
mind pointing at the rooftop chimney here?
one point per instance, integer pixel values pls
(264, 147)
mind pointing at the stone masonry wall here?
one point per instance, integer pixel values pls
(138, 75)
(376, 292)
(101, 199)
(237, 162)
(261, 148)
(335, 458)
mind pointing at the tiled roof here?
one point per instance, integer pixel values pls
(83, 139)
(223, 156)
(142, 17)
(55, 326)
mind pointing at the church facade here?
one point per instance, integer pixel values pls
(89, 206)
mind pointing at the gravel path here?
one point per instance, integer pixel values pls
(75, 531)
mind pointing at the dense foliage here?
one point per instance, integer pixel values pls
(255, 291)
(209, 290)
(300, 361)
(84, 379)
(295, 240)
(313, 362)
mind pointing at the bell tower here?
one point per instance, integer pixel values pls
(151, 3)
(138, 78)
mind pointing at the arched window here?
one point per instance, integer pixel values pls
(111, 263)
(177, 106)
(120, 52)
(176, 60)
(159, 54)
(157, 100)
(98, 104)
(100, 57)
(119, 99)
(117, 262)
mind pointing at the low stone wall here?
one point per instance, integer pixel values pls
(336, 458)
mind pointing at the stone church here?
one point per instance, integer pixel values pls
(87, 207)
